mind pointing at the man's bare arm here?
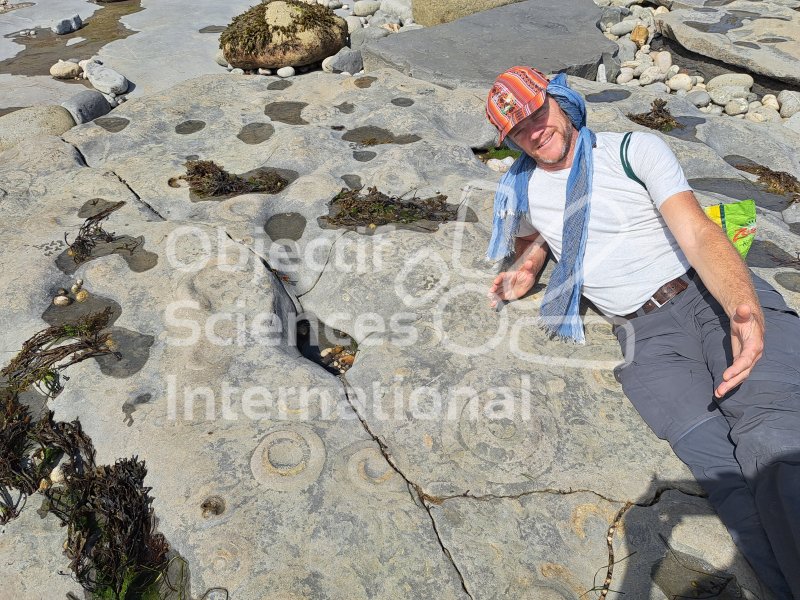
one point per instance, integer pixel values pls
(530, 253)
(727, 278)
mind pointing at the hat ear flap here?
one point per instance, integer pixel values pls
(511, 145)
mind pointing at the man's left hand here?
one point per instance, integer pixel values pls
(747, 344)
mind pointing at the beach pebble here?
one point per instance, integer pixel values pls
(789, 102)
(627, 50)
(220, 59)
(722, 95)
(699, 98)
(237, 71)
(623, 27)
(285, 72)
(734, 80)
(771, 101)
(365, 8)
(65, 70)
(736, 106)
(763, 114)
(105, 79)
(625, 75)
(681, 81)
(659, 87)
(651, 75)
(62, 301)
(265, 71)
(663, 60)
(497, 165)
(353, 23)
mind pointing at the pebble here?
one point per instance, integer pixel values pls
(643, 66)
(763, 114)
(62, 301)
(736, 106)
(82, 296)
(771, 101)
(681, 81)
(65, 70)
(365, 8)
(265, 71)
(623, 27)
(285, 72)
(237, 71)
(661, 10)
(789, 102)
(625, 75)
(672, 71)
(722, 95)
(651, 75)
(736, 80)
(627, 50)
(658, 87)
(640, 35)
(699, 98)
(663, 60)
(86, 106)
(713, 109)
(497, 165)
(105, 79)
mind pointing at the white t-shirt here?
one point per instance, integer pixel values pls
(630, 252)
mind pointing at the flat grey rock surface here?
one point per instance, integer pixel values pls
(552, 36)
(463, 454)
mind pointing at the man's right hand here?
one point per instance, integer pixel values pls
(512, 285)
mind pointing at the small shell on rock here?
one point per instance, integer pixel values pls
(62, 301)
(75, 288)
(325, 352)
(82, 296)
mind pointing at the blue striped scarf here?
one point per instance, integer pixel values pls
(559, 315)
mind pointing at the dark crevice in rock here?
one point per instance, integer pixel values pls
(327, 260)
(148, 207)
(417, 495)
(78, 150)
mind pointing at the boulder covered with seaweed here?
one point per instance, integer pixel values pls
(280, 33)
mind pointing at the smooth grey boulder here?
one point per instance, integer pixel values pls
(699, 98)
(87, 106)
(398, 8)
(627, 50)
(551, 36)
(346, 60)
(790, 103)
(22, 125)
(613, 15)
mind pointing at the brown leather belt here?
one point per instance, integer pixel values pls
(663, 295)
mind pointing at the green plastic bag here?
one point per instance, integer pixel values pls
(738, 221)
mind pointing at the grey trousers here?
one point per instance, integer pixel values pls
(743, 449)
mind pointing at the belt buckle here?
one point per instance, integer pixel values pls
(656, 302)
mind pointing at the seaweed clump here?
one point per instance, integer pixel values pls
(208, 179)
(658, 118)
(352, 208)
(249, 32)
(112, 545)
(91, 234)
(776, 182)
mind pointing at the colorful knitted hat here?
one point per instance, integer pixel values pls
(516, 94)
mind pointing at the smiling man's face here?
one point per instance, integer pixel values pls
(546, 136)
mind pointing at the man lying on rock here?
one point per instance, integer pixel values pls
(714, 369)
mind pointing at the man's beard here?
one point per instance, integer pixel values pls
(567, 143)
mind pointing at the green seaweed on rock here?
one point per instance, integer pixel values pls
(658, 118)
(249, 32)
(208, 179)
(352, 208)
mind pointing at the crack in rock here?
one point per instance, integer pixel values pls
(419, 500)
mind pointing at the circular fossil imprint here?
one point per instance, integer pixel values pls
(288, 459)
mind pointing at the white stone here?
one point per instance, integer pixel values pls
(661, 10)
(105, 79)
(771, 101)
(754, 104)
(699, 79)
(497, 165)
(353, 23)
(737, 106)
(326, 64)
(713, 109)
(601, 74)
(663, 61)
(237, 71)
(642, 67)
(700, 86)
(611, 36)
(651, 75)
(265, 71)
(790, 103)
(625, 75)
(681, 81)
(672, 71)
(739, 80)
(285, 72)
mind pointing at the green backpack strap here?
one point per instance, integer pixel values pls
(623, 156)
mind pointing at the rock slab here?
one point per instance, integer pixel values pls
(436, 12)
(556, 36)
